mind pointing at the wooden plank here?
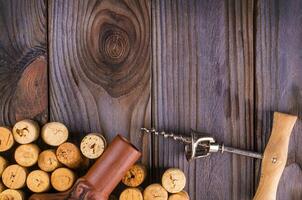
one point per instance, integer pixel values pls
(203, 79)
(278, 81)
(100, 67)
(23, 61)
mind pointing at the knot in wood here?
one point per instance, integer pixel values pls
(115, 46)
(118, 47)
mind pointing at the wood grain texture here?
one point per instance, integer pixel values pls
(23, 61)
(100, 67)
(278, 81)
(203, 79)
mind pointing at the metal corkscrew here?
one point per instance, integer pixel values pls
(198, 145)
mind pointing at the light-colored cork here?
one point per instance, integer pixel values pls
(135, 176)
(131, 194)
(183, 195)
(93, 145)
(27, 155)
(10, 194)
(62, 179)
(155, 191)
(174, 180)
(48, 161)
(26, 131)
(14, 176)
(69, 155)
(38, 181)
(54, 133)
(6, 139)
(3, 165)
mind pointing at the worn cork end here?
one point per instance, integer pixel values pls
(155, 190)
(48, 161)
(183, 195)
(26, 131)
(54, 133)
(6, 139)
(135, 176)
(38, 181)
(27, 155)
(174, 180)
(10, 194)
(131, 193)
(93, 145)
(69, 155)
(14, 176)
(62, 179)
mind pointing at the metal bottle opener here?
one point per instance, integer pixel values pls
(199, 145)
(274, 158)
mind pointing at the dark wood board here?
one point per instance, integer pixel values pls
(99, 67)
(220, 67)
(203, 80)
(279, 82)
(23, 61)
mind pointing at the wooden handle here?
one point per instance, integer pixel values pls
(275, 156)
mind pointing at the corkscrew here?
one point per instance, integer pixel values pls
(199, 145)
(273, 161)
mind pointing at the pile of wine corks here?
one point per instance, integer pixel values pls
(42, 169)
(172, 185)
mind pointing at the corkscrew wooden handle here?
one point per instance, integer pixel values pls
(275, 156)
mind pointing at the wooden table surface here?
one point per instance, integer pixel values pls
(113, 66)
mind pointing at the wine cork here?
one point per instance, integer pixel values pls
(69, 155)
(135, 175)
(179, 196)
(174, 180)
(2, 187)
(14, 176)
(38, 181)
(155, 191)
(93, 145)
(131, 194)
(27, 155)
(54, 133)
(62, 179)
(3, 165)
(26, 131)
(6, 139)
(10, 194)
(48, 161)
